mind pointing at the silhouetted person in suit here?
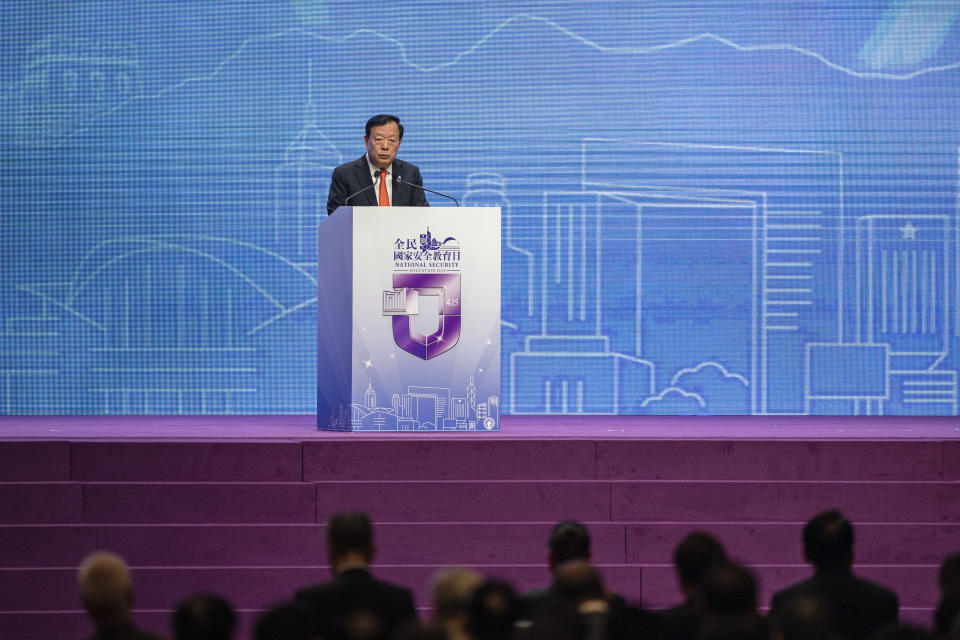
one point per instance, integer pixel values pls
(354, 605)
(727, 604)
(579, 589)
(107, 594)
(569, 542)
(204, 616)
(860, 607)
(695, 554)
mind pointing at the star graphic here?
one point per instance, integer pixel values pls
(368, 363)
(909, 231)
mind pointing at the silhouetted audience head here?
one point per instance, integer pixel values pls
(728, 589)
(453, 592)
(728, 601)
(804, 618)
(493, 610)
(903, 632)
(696, 553)
(578, 589)
(949, 574)
(569, 540)
(350, 535)
(204, 616)
(106, 588)
(283, 622)
(828, 541)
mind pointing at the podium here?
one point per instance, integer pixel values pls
(408, 325)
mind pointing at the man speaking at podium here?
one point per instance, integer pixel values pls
(378, 178)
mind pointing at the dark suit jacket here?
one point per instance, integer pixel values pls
(537, 601)
(125, 631)
(356, 606)
(351, 177)
(555, 617)
(679, 623)
(860, 607)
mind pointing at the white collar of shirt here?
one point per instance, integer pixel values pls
(374, 174)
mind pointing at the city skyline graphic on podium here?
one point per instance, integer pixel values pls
(426, 409)
(730, 209)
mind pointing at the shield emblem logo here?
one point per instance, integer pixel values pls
(404, 301)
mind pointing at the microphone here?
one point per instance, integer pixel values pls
(369, 186)
(414, 184)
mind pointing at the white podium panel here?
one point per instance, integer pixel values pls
(409, 319)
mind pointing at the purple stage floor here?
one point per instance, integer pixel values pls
(303, 427)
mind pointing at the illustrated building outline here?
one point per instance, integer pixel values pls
(67, 82)
(903, 311)
(202, 358)
(791, 243)
(300, 186)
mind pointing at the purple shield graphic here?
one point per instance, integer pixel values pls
(447, 287)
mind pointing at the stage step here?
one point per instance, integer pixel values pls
(425, 458)
(477, 501)
(633, 460)
(245, 518)
(474, 543)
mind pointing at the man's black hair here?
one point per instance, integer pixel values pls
(350, 531)
(204, 616)
(380, 120)
(569, 540)
(828, 540)
(695, 554)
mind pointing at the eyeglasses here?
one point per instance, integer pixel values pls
(380, 140)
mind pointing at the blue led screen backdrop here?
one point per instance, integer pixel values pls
(708, 208)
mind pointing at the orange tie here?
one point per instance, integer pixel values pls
(384, 197)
